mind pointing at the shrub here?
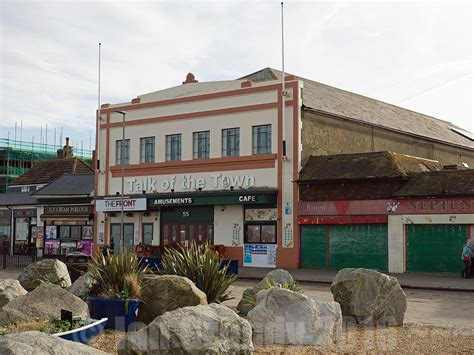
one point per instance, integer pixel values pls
(203, 266)
(51, 278)
(116, 276)
(251, 299)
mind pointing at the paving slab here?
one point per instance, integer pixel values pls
(422, 281)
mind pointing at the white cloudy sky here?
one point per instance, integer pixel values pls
(416, 55)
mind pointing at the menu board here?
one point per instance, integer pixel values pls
(260, 255)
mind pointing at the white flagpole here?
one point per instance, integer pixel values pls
(283, 92)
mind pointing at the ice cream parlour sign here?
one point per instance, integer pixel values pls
(190, 182)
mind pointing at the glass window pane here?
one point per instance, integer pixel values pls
(122, 152)
(253, 234)
(128, 236)
(64, 232)
(269, 233)
(201, 143)
(210, 233)
(231, 142)
(147, 233)
(173, 147)
(75, 232)
(262, 139)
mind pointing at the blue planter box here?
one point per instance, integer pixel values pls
(119, 318)
(84, 334)
(151, 262)
(233, 267)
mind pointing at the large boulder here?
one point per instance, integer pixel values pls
(370, 297)
(52, 268)
(82, 286)
(27, 343)
(42, 303)
(280, 276)
(165, 293)
(212, 329)
(285, 317)
(9, 290)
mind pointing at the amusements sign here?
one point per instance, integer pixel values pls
(260, 255)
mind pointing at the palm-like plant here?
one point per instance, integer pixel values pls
(203, 266)
(118, 276)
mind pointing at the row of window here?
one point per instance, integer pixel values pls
(261, 144)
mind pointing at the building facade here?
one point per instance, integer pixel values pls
(206, 161)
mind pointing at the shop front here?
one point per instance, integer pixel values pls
(5, 227)
(66, 229)
(24, 230)
(395, 235)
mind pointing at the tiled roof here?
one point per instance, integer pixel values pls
(69, 185)
(324, 98)
(438, 184)
(364, 166)
(17, 198)
(46, 171)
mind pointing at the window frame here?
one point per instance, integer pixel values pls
(196, 145)
(119, 147)
(169, 140)
(261, 149)
(230, 151)
(260, 224)
(144, 158)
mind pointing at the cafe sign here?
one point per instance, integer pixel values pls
(68, 210)
(115, 204)
(213, 199)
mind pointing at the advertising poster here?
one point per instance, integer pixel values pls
(39, 237)
(67, 247)
(88, 232)
(85, 246)
(261, 214)
(260, 255)
(51, 232)
(51, 247)
(288, 236)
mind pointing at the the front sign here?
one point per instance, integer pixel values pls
(115, 204)
(213, 181)
(21, 213)
(380, 207)
(68, 210)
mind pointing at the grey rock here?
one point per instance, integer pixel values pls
(285, 317)
(165, 293)
(281, 276)
(52, 267)
(82, 286)
(9, 290)
(370, 297)
(212, 329)
(38, 343)
(43, 302)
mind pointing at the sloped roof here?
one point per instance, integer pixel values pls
(69, 185)
(375, 165)
(439, 183)
(46, 171)
(328, 99)
(17, 198)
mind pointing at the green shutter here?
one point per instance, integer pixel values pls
(313, 246)
(435, 248)
(358, 245)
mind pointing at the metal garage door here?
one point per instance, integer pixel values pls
(313, 246)
(435, 248)
(358, 245)
(350, 245)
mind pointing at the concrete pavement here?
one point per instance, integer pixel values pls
(422, 281)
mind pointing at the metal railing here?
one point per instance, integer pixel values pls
(20, 258)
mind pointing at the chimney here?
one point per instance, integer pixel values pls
(67, 149)
(190, 78)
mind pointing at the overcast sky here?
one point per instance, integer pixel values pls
(415, 55)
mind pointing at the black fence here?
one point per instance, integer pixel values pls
(19, 259)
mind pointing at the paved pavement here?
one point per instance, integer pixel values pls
(446, 282)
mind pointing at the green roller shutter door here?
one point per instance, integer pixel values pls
(313, 246)
(358, 245)
(435, 248)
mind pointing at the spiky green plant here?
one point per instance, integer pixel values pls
(51, 278)
(117, 276)
(250, 300)
(202, 265)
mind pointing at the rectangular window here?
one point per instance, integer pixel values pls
(262, 139)
(122, 152)
(231, 142)
(147, 230)
(147, 150)
(201, 143)
(173, 147)
(75, 232)
(260, 233)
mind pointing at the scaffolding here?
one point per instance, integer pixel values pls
(16, 157)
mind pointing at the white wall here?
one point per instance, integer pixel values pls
(224, 222)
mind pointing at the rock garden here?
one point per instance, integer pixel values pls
(185, 308)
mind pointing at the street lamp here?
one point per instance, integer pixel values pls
(122, 173)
